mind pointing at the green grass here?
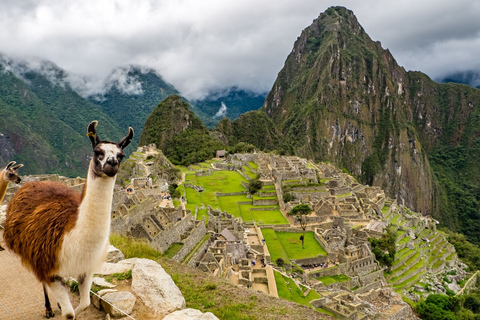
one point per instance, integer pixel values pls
(134, 248)
(262, 216)
(287, 289)
(333, 279)
(249, 172)
(202, 213)
(222, 181)
(396, 218)
(293, 245)
(385, 209)
(274, 246)
(256, 197)
(176, 202)
(253, 165)
(173, 250)
(325, 311)
(230, 204)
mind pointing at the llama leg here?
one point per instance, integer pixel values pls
(48, 309)
(84, 286)
(59, 291)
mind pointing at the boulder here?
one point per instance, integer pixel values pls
(113, 302)
(101, 293)
(120, 267)
(155, 287)
(190, 314)
(114, 255)
(102, 282)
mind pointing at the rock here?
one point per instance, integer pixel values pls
(114, 255)
(190, 314)
(454, 287)
(102, 282)
(124, 301)
(419, 288)
(155, 287)
(410, 245)
(96, 298)
(119, 267)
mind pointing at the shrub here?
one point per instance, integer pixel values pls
(254, 185)
(280, 262)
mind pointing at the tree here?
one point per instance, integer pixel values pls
(254, 185)
(300, 212)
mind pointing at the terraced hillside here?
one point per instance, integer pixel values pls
(421, 250)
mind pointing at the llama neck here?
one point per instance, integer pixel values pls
(95, 209)
(3, 185)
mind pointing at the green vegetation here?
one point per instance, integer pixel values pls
(300, 212)
(179, 133)
(254, 185)
(288, 290)
(286, 245)
(468, 252)
(384, 248)
(336, 278)
(173, 250)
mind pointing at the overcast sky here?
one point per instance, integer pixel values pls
(203, 45)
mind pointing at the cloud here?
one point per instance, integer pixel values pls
(200, 46)
(222, 112)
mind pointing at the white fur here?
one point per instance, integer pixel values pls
(84, 247)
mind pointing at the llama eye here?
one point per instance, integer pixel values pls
(99, 154)
(120, 157)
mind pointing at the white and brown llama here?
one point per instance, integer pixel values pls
(60, 233)
(7, 175)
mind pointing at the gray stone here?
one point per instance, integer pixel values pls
(190, 314)
(114, 255)
(155, 287)
(103, 283)
(119, 267)
(96, 297)
(454, 287)
(419, 288)
(112, 302)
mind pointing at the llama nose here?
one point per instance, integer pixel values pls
(112, 161)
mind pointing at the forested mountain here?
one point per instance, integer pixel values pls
(43, 121)
(341, 97)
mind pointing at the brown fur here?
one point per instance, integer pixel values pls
(39, 215)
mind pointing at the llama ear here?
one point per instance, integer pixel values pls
(127, 139)
(92, 133)
(11, 163)
(18, 166)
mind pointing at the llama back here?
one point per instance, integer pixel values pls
(38, 216)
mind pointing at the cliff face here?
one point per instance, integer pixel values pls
(341, 97)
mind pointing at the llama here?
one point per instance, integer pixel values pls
(7, 175)
(59, 233)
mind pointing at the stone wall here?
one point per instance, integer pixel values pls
(265, 202)
(171, 234)
(196, 235)
(197, 256)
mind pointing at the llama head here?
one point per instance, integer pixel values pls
(107, 154)
(10, 173)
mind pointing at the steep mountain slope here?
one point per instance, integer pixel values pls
(176, 130)
(341, 97)
(131, 93)
(43, 121)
